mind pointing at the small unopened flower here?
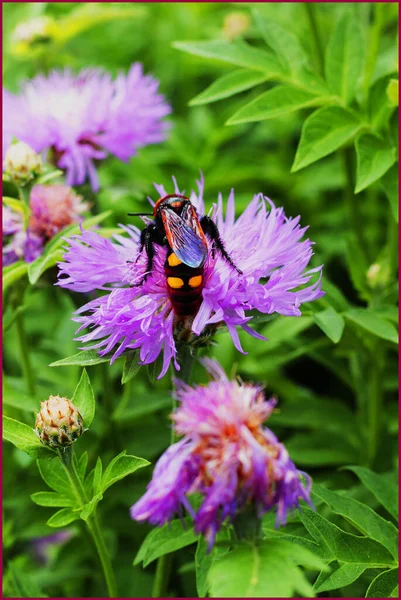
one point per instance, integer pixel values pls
(34, 31)
(52, 207)
(22, 163)
(59, 422)
(379, 274)
(226, 455)
(43, 545)
(82, 118)
(235, 24)
(263, 243)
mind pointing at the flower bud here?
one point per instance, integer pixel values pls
(235, 24)
(21, 163)
(378, 275)
(32, 33)
(58, 423)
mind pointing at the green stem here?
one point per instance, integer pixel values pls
(67, 458)
(352, 201)
(24, 354)
(310, 9)
(186, 359)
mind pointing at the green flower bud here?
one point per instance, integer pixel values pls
(21, 163)
(58, 423)
(378, 275)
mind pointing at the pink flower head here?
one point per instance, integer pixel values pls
(264, 244)
(226, 455)
(52, 207)
(82, 118)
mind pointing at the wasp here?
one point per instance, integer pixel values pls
(177, 226)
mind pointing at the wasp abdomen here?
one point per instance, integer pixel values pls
(184, 285)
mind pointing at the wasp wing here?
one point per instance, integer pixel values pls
(185, 237)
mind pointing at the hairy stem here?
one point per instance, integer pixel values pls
(186, 358)
(67, 458)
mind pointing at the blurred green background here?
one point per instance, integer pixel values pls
(322, 386)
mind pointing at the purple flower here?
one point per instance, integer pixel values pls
(263, 243)
(52, 207)
(226, 456)
(42, 545)
(81, 118)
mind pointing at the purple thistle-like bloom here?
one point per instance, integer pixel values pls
(52, 207)
(82, 118)
(263, 243)
(226, 455)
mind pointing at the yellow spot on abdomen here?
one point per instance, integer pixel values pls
(195, 282)
(173, 260)
(175, 282)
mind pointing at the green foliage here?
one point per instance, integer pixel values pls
(302, 106)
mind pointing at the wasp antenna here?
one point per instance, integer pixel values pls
(140, 214)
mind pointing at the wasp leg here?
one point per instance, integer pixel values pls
(146, 242)
(210, 228)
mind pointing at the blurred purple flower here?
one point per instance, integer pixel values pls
(42, 545)
(226, 455)
(263, 243)
(52, 207)
(81, 118)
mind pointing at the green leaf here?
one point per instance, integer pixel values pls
(392, 92)
(311, 449)
(374, 159)
(24, 438)
(121, 466)
(276, 102)
(51, 499)
(383, 487)
(237, 53)
(229, 85)
(385, 585)
(85, 358)
(53, 252)
(82, 464)
(345, 547)
(12, 273)
(344, 57)
(12, 396)
(357, 265)
(62, 518)
(131, 366)
(283, 329)
(54, 474)
(330, 322)
(23, 583)
(365, 519)
(390, 184)
(267, 570)
(323, 132)
(84, 399)
(343, 575)
(371, 321)
(143, 405)
(97, 476)
(90, 506)
(163, 540)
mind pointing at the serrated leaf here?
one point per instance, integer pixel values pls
(62, 518)
(385, 585)
(330, 322)
(343, 575)
(390, 185)
(84, 399)
(374, 159)
(229, 85)
(365, 519)
(53, 252)
(53, 473)
(121, 466)
(51, 499)
(85, 358)
(371, 321)
(267, 570)
(237, 53)
(344, 58)
(276, 102)
(163, 540)
(383, 487)
(345, 547)
(323, 132)
(131, 367)
(23, 437)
